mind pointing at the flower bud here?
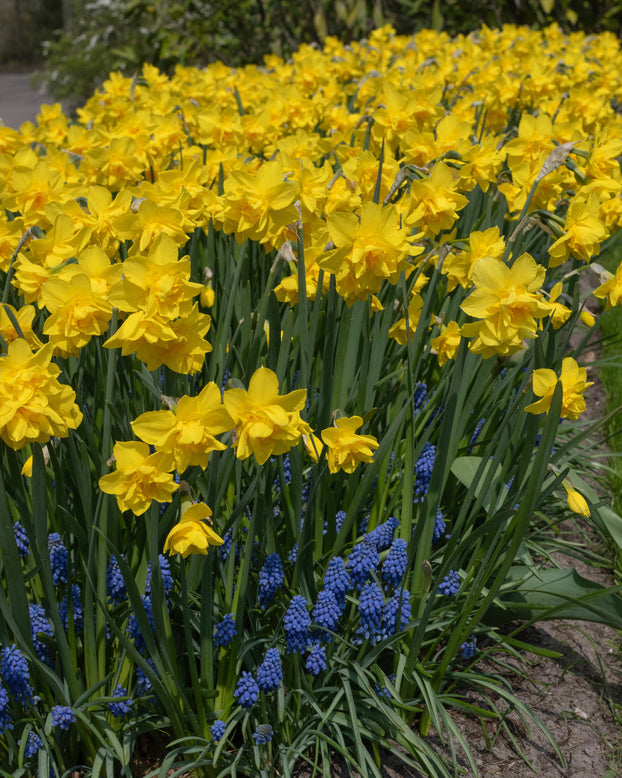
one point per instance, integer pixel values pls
(577, 503)
(207, 296)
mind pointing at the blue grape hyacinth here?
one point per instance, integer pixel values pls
(270, 671)
(63, 717)
(262, 734)
(316, 660)
(33, 744)
(40, 624)
(21, 538)
(115, 585)
(394, 565)
(133, 628)
(218, 730)
(339, 517)
(6, 720)
(382, 535)
(363, 560)
(59, 558)
(223, 551)
(143, 682)
(371, 603)
(475, 435)
(16, 675)
(76, 609)
(439, 527)
(468, 648)
(165, 572)
(337, 579)
(450, 584)
(423, 472)
(396, 613)
(270, 579)
(123, 707)
(225, 631)
(419, 397)
(246, 692)
(296, 623)
(326, 614)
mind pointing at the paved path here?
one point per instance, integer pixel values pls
(19, 102)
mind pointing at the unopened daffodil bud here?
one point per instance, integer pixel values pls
(587, 318)
(576, 501)
(207, 296)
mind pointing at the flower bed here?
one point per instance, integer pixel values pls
(285, 352)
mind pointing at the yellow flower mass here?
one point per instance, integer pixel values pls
(371, 158)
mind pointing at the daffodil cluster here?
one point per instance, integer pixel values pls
(388, 237)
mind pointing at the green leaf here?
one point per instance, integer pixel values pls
(466, 469)
(612, 523)
(553, 593)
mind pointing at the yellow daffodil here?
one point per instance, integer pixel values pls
(458, 267)
(140, 477)
(24, 317)
(76, 314)
(398, 330)
(187, 433)
(259, 205)
(370, 248)
(506, 304)
(346, 449)
(192, 534)
(559, 313)
(158, 282)
(611, 288)
(35, 406)
(267, 423)
(180, 344)
(446, 344)
(207, 296)
(574, 383)
(152, 220)
(587, 318)
(583, 232)
(434, 202)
